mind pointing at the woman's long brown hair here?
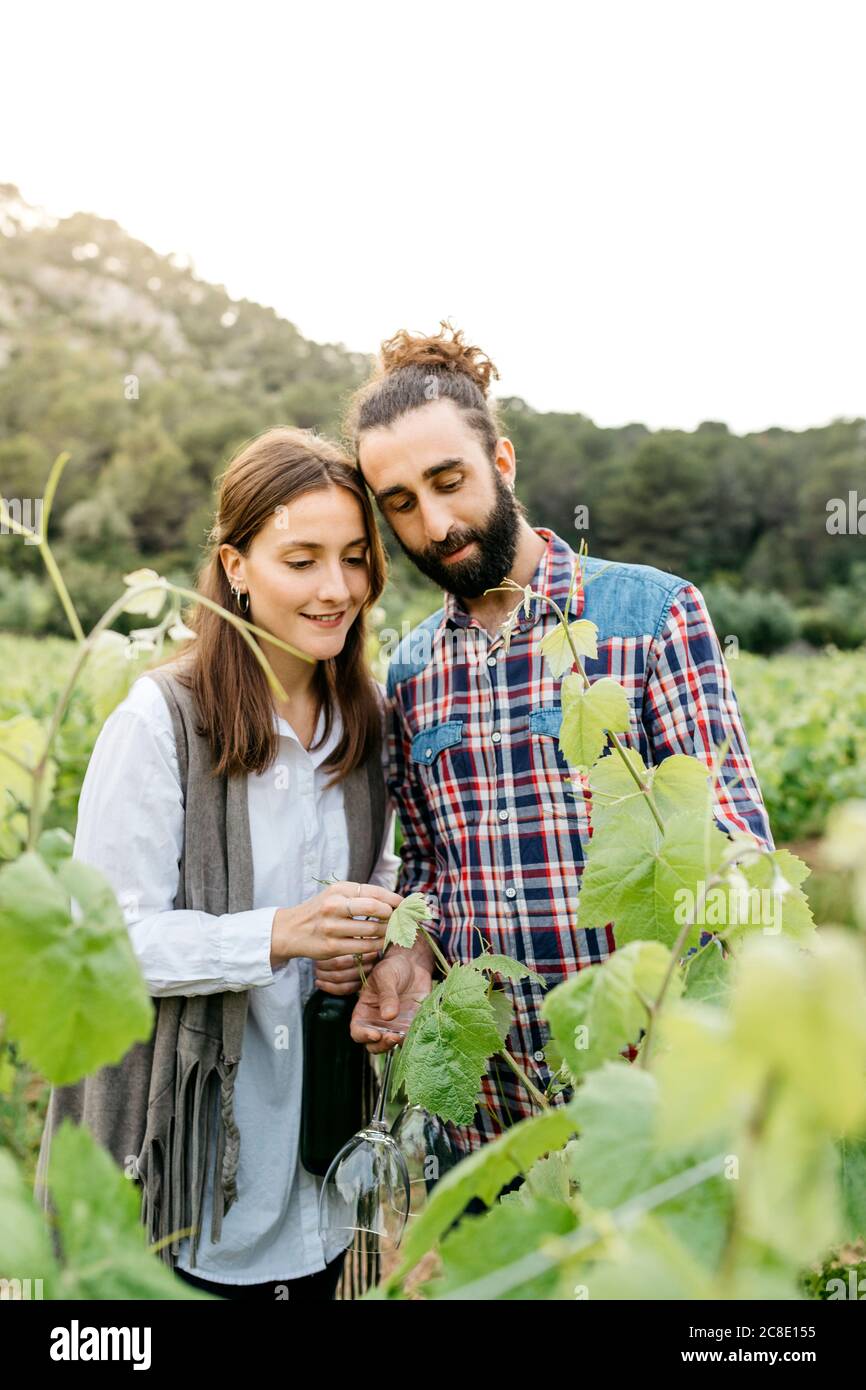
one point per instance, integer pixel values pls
(231, 691)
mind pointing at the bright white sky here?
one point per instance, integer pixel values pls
(643, 211)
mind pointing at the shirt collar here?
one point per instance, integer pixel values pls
(552, 577)
(316, 755)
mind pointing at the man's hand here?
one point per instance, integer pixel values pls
(394, 989)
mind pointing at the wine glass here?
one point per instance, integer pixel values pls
(427, 1148)
(366, 1187)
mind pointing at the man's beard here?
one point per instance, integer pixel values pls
(489, 563)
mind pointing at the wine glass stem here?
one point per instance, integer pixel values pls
(379, 1112)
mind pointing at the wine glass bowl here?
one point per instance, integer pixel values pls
(366, 1187)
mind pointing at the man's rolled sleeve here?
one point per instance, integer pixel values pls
(690, 707)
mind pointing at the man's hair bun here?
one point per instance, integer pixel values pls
(443, 350)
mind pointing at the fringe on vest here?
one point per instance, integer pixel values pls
(184, 1152)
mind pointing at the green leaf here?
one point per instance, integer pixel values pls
(482, 1174)
(54, 846)
(25, 1249)
(644, 882)
(788, 911)
(678, 784)
(24, 739)
(503, 1013)
(645, 1262)
(802, 1016)
(499, 1237)
(507, 966)
(704, 1084)
(557, 652)
(601, 1009)
(618, 1157)
(708, 977)
(445, 1053)
(403, 922)
(587, 716)
(549, 1177)
(790, 1186)
(71, 988)
(105, 1249)
(108, 673)
(151, 600)
(796, 1026)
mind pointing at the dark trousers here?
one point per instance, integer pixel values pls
(310, 1288)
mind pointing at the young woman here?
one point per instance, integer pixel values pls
(295, 550)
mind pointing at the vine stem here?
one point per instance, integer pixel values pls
(434, 947)
(49, 562)
(642, 786)
(538, 1096)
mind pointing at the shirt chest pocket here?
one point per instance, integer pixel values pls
(429, 744)
(442, 763)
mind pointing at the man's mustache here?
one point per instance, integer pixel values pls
(440, 552)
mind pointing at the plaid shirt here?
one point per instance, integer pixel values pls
(494, 834)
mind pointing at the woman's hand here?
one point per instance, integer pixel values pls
(324, 928)
(342, 975)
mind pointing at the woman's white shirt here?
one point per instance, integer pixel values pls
(131, 827)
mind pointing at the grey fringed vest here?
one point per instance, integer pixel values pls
(152, 1110)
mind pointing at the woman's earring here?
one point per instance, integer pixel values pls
(239, 594)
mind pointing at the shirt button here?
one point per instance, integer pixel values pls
(491, 661)
(503, 815)
(511, 892)
(497, 736)
(428, 752)
(539, 1056)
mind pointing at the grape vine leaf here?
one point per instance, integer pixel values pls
(108, 674)
(788, 912)
(445, 1052)
(22, 739)
(403, 923)
(803, 1014)
(25, 1250)
(105, 1248)
(505, 965)
(797, 1019)
(643, 881)
(503, 1012)
(501, 1236)
(791, 1199)
(708, 975)
(618, 1156)
(151, 600)
(587, 715)
(557, 652)
(70, 986)
(678, 784)
(481, 1174)
(601, 1009)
